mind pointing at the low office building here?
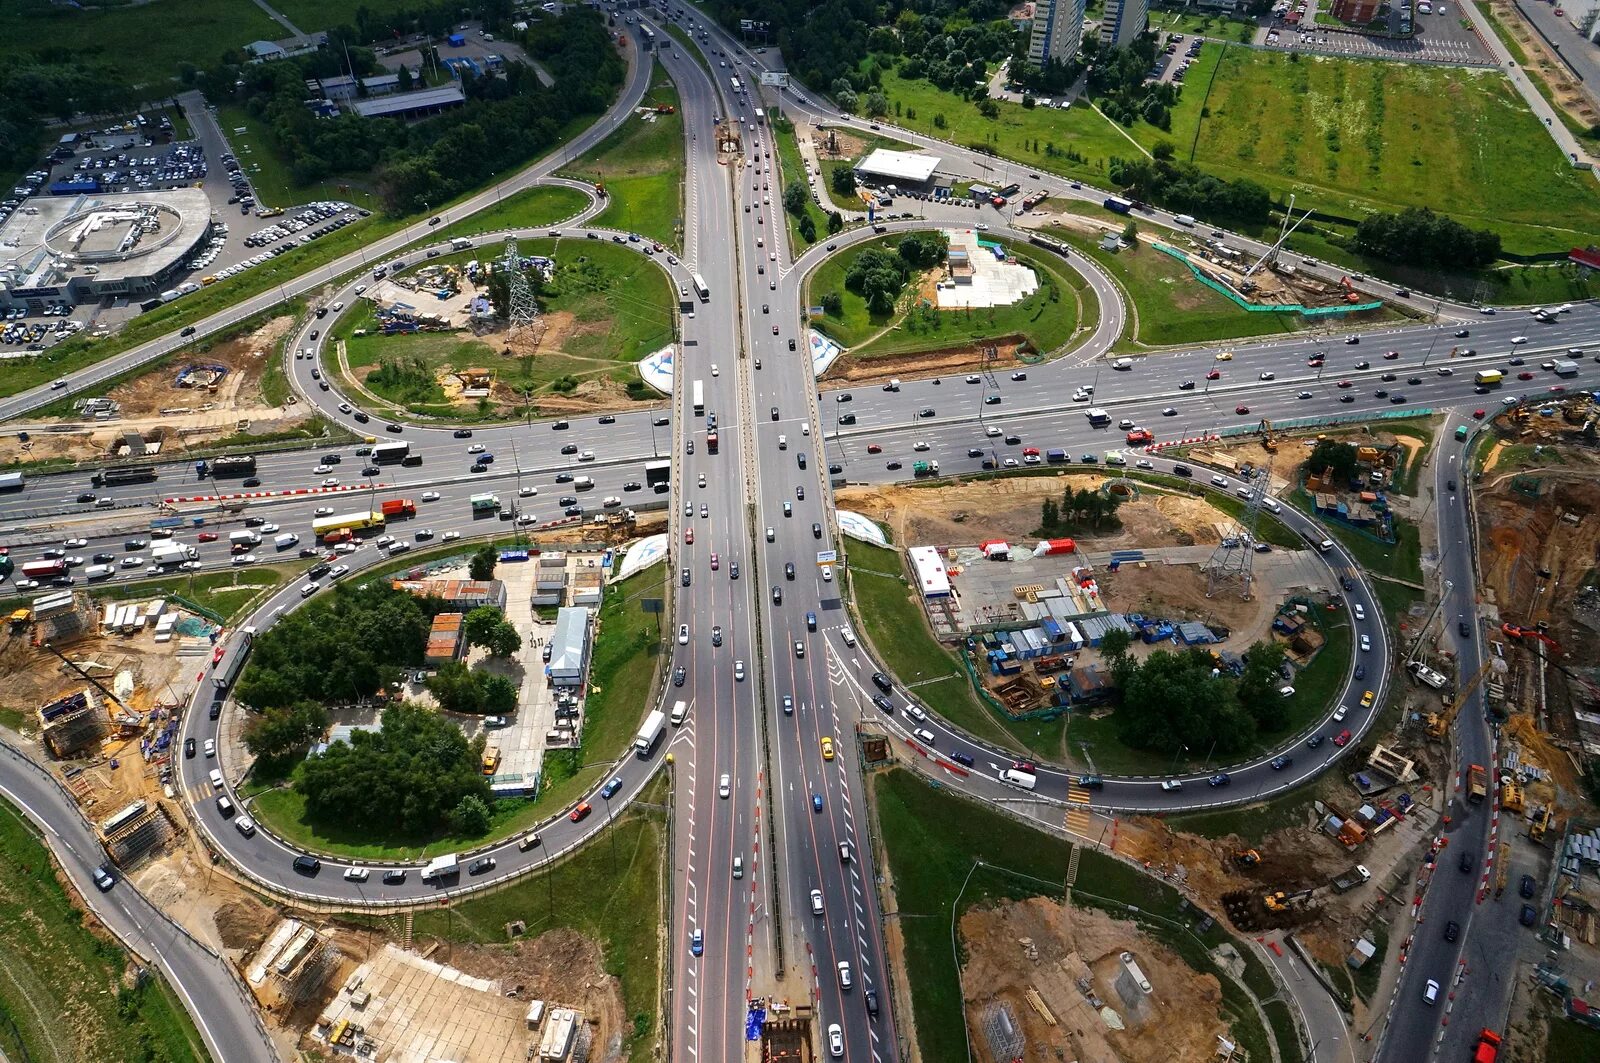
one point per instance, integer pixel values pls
(465, 594)
(904, 169)
(411, 104)
(444, 640)
(569, 648)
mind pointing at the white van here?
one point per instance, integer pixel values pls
(99, 571)
(286, 540)
(680, 712)
(1184, 219)
(1325, 545)
(1272, 505)
(1122, 363)
(216, 778)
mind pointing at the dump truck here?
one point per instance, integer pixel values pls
(1487, 1050)
(398, 507)
(113, 475)
(1348, 880)
(1477, 783)
(924, 468)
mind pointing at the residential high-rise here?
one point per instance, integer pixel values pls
(1057, 30)
(1123, 22)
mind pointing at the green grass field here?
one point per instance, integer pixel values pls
(62, 994)
(1351, 136)
(792, 168)
(528, 209)
(642, 167)
(1170, 306)
(624, 654)
(224, 593)
(610, 891)
(621, 305)
(932, 838)
(1048, 318)
(143, 43)
(271, 178)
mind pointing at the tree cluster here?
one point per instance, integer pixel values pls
(410, 775)
(459, 689)
(1173, 701)
(1180, 186)
(1080, 508)
(505, 121)
(1117, 82)
(879, 275)
(1418, 237)
(57, 84)
(1333, 454)
(488, 627)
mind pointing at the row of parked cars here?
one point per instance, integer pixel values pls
(303, 220)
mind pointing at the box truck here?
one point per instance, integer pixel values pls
(650, 733)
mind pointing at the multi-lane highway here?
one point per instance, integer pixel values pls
(767, 791)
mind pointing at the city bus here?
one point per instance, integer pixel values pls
(387, 453)
(700, 288)
(234, 660)
(323, 527)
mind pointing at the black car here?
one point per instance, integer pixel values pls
(463, 433)
(215, 711)
(1528, 916)
(1182, 470)
(104, 558)
(926, 411)
(608, 419)
(1452, 930)
(318, 570)
(816, 530)
(361, 417)
(871, 997)
(86, 496)
(1463, 629)
(188, 749)
(679, 674)
(843, 396)
(309, 551)
(1221, 778)
(570, 448)
(964, 759)
(883, 703)
(1526, 886)
(991, 400)
(1090, 782)
(254, 522)
(307, 865)
(1361, 671)
(563, 477)
(892, 466)
(395, 876)
(188, 331)
(392, 427)
(1313, 742)
(480, 865)
(1187, 385)
(1013, 441)
(882, 682)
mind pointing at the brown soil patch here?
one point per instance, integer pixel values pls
(1053, 950)
(969, 358)
(1008, 507)
(845, 145)
(1179, 592)
(244, 923)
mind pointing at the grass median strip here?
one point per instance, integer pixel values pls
(641, 166)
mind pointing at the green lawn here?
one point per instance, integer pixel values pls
(528, 209)
(1401, 560)
(225, 593)
(1048, 318)
(143, 43)
(895, 624)
(932, 838)
(1351, 135)
(620, 300)
(1215, 26)
(625, 654)
(641, 166)
(1170, 305)
(56, 969)
(274, 185)
(792, 169)
(609, 891)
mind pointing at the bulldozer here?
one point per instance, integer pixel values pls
(1247, 858)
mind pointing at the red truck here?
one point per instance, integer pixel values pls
(1140, 435)
(711, 442)
(1487, 1049)
(398, 507)
(44, 569)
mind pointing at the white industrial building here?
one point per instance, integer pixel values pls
(569, 647)
(933, 579)
(1057, 30)
(87, 247)
(903, 168)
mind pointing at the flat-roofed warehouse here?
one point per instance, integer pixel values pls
(906, 169)
(84, 248)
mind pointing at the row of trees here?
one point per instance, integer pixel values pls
(1181, 186)
(1177, 701)
(879, 275)
(58, 84)
(1418, 237)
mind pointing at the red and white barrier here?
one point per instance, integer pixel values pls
(1156, 448)
(246, 495)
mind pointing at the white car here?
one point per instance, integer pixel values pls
(384, 540)
(992, 432)
(835, 1041)
(211, 747)
(846, 980)
(356, 874)
(714, 370)
(527, 519)
(476, 448)
(683, 634)
(346, 548)
(332, 481)
(322, 511)
(127, 562)
(920, 445)
(268, 529)
(245, 559)
(338, 570)
(527, 492)
(427, 496)
(1143, 463)
(1519, 339)
(450, 535)
(75, 544)
(816, 902)
(1366, 644)
(323, 470)
(724, 786)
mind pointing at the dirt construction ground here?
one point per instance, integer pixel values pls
(205, 415)
(1008, 508)
(1545, 65)
(1042, 946)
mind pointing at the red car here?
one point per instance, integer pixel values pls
(1345, 384)
(1315, 363)
(688, 536)
(1215, 374)
(1344, 736)
(1559, 388)
(715, 563)
(1479, 415)
(1241, 409)
(1391, 355)
(873, 448)
(207, 537)
(582, 811)
(1524, 375)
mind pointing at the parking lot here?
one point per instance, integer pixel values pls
(1439, 36)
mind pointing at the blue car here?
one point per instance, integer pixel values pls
(697, 943)
(816, 802)
(611, 789)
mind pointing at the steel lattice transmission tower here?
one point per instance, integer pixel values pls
(522, 308)
(1232, 563)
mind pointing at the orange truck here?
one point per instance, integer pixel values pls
(1477, 782)
(398, 507)
(1487, 1050)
